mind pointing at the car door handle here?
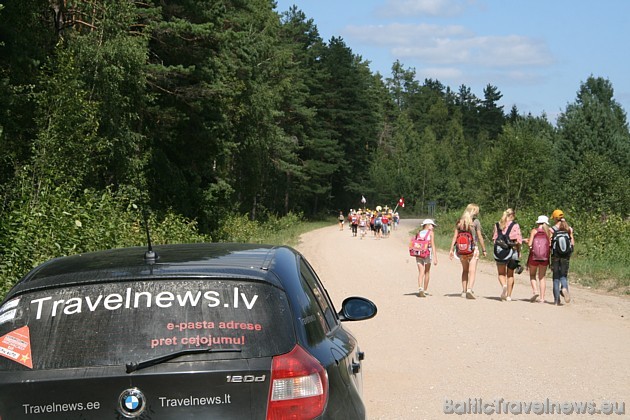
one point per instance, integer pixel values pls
(356, 367)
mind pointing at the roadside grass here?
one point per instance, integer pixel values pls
(284, 230)
(605, 275)
(290, 236)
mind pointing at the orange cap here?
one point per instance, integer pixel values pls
(557, 214)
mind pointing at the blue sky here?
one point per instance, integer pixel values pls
(536, 52)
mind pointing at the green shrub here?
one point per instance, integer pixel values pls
(239, 228)
(603, 238)
(58, 224)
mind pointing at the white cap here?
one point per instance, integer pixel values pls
(543, 219)
(428, 222)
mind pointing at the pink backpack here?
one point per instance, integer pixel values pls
(540, 246)
(419, 246)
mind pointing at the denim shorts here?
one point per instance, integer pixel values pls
(423, 261)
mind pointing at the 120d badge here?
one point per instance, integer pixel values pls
(239, 379)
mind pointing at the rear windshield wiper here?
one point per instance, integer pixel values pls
(132, 367)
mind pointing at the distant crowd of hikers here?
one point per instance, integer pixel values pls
(549, 246)
(380, 222)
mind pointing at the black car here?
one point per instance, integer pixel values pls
(221, 331)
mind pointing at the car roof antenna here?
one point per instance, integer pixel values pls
(150, 256)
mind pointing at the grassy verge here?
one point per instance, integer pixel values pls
(274, 231)
(290, 236)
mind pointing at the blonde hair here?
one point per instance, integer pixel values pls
(465, 222)
(473, 209)
(504, 219)
(545, 227)
(563, 225)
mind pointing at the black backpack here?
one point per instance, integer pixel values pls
(502, 245)
(561, 244)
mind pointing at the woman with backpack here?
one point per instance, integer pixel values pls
(467, 234)
(507, 247)
(425, 256)
(539, 248)
(363, 223)
(562, 243)
(378, 225)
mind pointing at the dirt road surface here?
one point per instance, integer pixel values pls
(425, 356)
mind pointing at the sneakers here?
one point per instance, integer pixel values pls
(421, 292)
(534, 298)
(470, 294)
(463, 294)
(509, 299)
(504, 293)
(567, 297)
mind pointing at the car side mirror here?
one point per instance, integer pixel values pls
(357, 309)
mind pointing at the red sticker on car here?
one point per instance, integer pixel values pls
(16, 346)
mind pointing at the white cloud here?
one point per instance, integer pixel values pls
(453, 45)
(487, 51)
(395, 8)
(396, 34)
(440, 73)
(524, 78)
(515, 50)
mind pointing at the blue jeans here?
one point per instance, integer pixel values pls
(560, 270)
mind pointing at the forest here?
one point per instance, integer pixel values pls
(194, 113)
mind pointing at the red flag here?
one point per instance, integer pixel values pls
(401, 202)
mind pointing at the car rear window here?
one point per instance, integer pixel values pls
(117, 323)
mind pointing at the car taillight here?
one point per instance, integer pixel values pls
(299, 386)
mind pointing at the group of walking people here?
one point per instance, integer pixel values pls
(380, 223)
(548, 245)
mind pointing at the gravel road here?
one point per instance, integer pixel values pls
(423, 353)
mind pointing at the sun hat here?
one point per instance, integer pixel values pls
(542, 219)
(557, 214)
(428, 222)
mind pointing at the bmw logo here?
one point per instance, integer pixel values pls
(131, 402)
